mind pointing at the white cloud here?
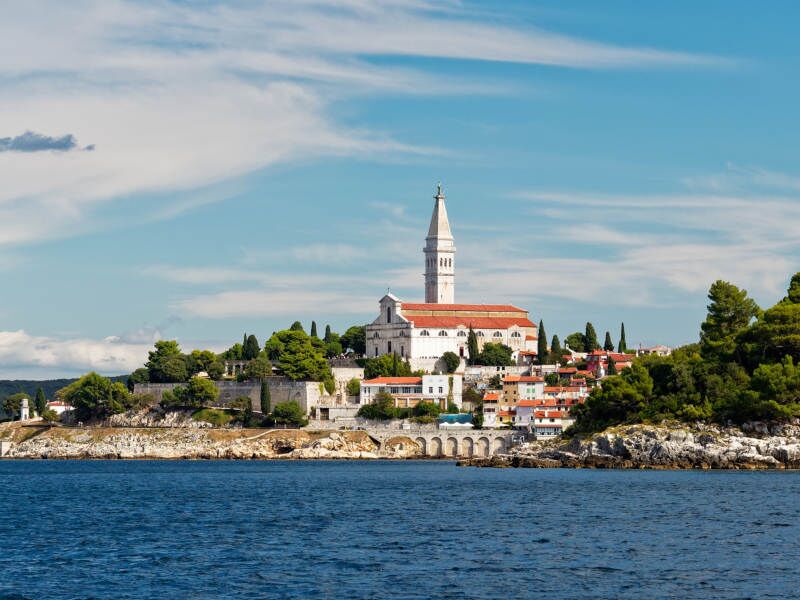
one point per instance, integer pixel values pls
(179, 96)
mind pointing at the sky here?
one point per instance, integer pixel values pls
(197, 170)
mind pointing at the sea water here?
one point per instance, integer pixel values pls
(412, 529)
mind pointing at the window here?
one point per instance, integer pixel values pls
(402, 351)
(376, 351)
(388, 314)
(425, 332)
(441, 390)
(479, 333)
(462, 333)
(376, 335)
(402, 334)
(430, 390)
(515, 334)
(442, 333)
(389, 346)
(495, 334)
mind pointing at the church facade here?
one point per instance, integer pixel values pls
(422, 332)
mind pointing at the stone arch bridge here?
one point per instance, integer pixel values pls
(446, 443)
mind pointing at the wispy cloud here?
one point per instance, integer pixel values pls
(36, 142)
(140, 81)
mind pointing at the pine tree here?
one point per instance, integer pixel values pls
(555, 349)
(313, 329)
(590, 338)
(472, 345)
(296, 326)
(327, 334)
(41, 402)
(542, 344)
(265, 398)
(608, 344)
(622, 347)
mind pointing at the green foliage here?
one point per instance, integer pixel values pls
(355, 339)
(576, 342)
(140, 375)
(95, 397)
(328, 334)
(477, 418)
(235, 352)
(452, 408)
(250, 348)
(166, 364)
(590, 339)
(552, 379)
(297, 326)
(40, 402)
(215, 416)
(332, 344)
(472, 396)
(12, 403)
(730, 311)
(612, 367)
(387, 365)
(265, 398)
(608, 344)
(555, 350)
(313, 329)
(622, 346)
(496, 382)
(541, 344)
(427, 409)
(451, 361)
(49, 415)
(381, 409)
(354, 387)
(472, 346)
(197, 393)
(297, 356)
(289, 413)
(495, 355)
(258, 368)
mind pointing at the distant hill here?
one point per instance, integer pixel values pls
(50, 386)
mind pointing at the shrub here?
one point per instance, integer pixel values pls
(289, 413)
(214, 416)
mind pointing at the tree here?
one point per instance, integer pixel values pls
(245, 407)
(472, 345)
(251, 348)
(296, 326)
(612, 367)
(576, 342)
(386, 365)
(355, 339)
(289, 413)
(451, 361)
(233, 353)
(166, 364)
(49, 415)
(622, 346)
(258, 368)
(590, 342)
(381, 408)
(197, 394)
(495, 355)
(313, 329)
(541, 344)
(40, 403)
(552, 379)
(333, 345)
(298, 357)
(12, 403)
(776, 334)
(354, 387)
(608, 345)
(95, 397)
(140, 375)
(555, 349)
(426, 409)
(215, 370)
(729, 313)
(265, 397)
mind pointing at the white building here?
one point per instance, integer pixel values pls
(59, 407)
(422, 332)
(410, 391)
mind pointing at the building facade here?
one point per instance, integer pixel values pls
(410, 391)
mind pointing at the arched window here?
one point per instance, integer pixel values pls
(479, 333)
(497, 334)
(402, 334)
(388, 314)
(424, 332)
(376, 335)
(515, 334)
(462, 333)
(442, 333)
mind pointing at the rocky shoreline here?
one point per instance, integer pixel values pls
(666, 446)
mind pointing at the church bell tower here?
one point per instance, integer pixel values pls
(440, 254)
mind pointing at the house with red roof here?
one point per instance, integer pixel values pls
(410, 391)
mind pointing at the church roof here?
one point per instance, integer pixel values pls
(394, 380)
(440, 226)
(449, 322)
(433, 306)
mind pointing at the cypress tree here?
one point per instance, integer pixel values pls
(612, 368)
(251, 348)
(395, 366)
(313, 329)
(265, 398)
(542, 344)
(590, 338)
(622, 347)
(608, 344)
(472, 345)
(327, 334)
(555, 349)
(41, 402)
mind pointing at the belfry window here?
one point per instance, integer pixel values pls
(388, 314)
(462, 333)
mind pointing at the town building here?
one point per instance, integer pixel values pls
(423, 332)
(597, 361)
(551, 423)
(410, 391)
(59, 407)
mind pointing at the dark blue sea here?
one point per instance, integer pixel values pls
(184, 529)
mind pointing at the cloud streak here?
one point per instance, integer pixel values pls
(36, 142)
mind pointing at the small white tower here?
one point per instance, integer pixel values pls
(24, 410)
(440, 254)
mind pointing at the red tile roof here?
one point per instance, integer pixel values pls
(527, 403)
(393, 380)
(522, 379)
(450, 322)
(566, 370)
(462, 307)
(491, 396)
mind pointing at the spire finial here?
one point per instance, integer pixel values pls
(439, 191)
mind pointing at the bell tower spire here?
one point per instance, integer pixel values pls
(439, 255)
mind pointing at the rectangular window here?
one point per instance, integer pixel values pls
(440, 389)
(430, 390)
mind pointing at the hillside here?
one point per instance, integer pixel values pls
(50, 386)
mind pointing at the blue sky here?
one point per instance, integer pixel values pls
(236, 166)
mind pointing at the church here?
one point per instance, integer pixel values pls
(422, 331)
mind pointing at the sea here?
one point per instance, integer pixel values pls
(392, 529)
